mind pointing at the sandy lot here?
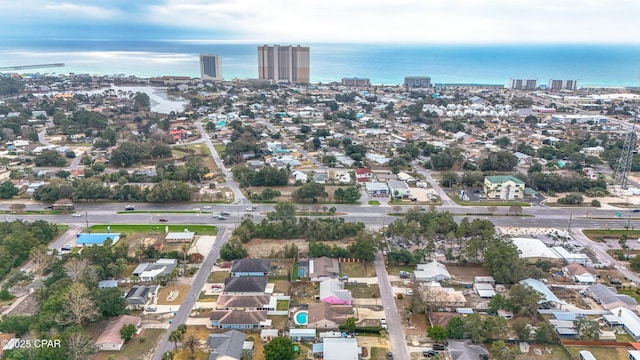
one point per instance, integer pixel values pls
(165, 291)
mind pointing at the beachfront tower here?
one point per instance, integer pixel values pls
(210, 67)
(284, 63)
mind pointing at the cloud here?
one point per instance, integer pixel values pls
(306, 21)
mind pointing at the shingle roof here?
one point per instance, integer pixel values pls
(111, 335)
(231, 317)
(251, 266)
(227, 344)
(246, 284)
(608, 295)
(244, 301)
(465, 350)
(325, 311)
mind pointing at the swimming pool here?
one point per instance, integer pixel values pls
(301, 317)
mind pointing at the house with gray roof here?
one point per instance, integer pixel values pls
(246, 302)
(226, 346)
(239, 319)
(323, 268)
(250, 267)
(609, 298)
(149, 271)
(139, 296)
(245, 285)
(466, 350)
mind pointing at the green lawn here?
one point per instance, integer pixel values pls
(395, 269)
(358, 269)
(115, 228)
(282, 305)
(62, 228)
(136, 349)
(633, 292)
(598, 234)
(163, 212)
(219, 148)
(374, 202)
(217, 277)
(378, 353)
(601, 352)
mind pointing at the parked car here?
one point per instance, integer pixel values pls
(66, 247)
(430, 353)
(163, 220)
(438, 347)
(389, 355)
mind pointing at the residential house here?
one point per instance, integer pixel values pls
(547, 296)
(578, 274)
(179, 237)
(625, 318)
(266, 335)
(246, 302)
(326, 316)
(403, 176)
(341, 349)
(110, 339)
(363, 175)
(103, 284)
(466, 350)
(302, 335)
(150, 271)
(504, 187)
(238, 319)
(226, 346)
(609, 298)
(323, 268)
(433, 271)
(300, 176)
(245, 285)
(376, 189)
(332, 291)
(250, 267)
(386, 177)
(139, 296)
(96, 239)
(484, 290)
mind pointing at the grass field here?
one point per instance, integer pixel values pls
(217, 277)
(374, 202)
(365, 292)
(378, 353)
(358, 269)
(219, 148)
(198, 229)
(136, 349)
(601, 352)
(599, 234)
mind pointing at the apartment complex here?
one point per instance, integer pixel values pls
(356, 81)
(523, 84)
(210, 67)
(504, 187)
(284, 63)
(417, 81)
(562, 85)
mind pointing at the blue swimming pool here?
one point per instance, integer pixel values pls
(301, 317)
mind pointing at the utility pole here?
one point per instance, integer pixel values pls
(86, 218)
(569, 226)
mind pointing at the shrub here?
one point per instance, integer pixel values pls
(595, 203)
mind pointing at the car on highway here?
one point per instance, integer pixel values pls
(635, 210)
(251, 208)
(196, 209)
(163, 220)
(76, 215)
(225, 213)
(129, 207)
(220, 217)
(207, 207)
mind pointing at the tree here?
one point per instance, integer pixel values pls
(78, 305)
(280, 348)
(437, 333)
(587, 329)
(77, 269)
(524, 299)
(522, 328)
(500, 351)
(110, 302)
(455, 328)
(502, 141)
(80, 345)
(350, 325)
(499, 161)
(544, 333)
(50, 158)
(127, 331)
(571, 199)
(635, 263)
(41, 259)
(190, 344)
(503, 260)
(283, 211)
(499, 302)
(349, 195)
(175, 336)
(8, 190)
(365, 246)
(448, 178)
(309, 192)
(233, 250)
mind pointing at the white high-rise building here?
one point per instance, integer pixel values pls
(210, 67)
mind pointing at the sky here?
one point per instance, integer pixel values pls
(330, 21)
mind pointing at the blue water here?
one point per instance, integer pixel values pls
(605, 65)
(302, 317)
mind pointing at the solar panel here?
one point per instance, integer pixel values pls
(144, 292)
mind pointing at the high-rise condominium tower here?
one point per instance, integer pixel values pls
(210, 67)
(284, 63)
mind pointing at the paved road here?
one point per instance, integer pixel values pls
(194, 291)
(396, 333)
(231, 183)
(434, 184)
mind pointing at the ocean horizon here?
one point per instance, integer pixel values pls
(591, 65)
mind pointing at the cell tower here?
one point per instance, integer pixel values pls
(621, 176)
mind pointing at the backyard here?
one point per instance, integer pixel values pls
(137, 348)
(357, 269)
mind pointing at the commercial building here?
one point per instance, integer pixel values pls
(417, 81)
(356, 81)
(556, 85)
(503, 187)
(210, 67)
(523, 84)
(284, 63)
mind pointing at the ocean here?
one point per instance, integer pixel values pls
(591, 65)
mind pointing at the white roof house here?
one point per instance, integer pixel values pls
(568, 257)
(484, 290)
(530, 248)
(629, 321)
(539, 286)
(341, 349)
(433, 271)
(184, 236)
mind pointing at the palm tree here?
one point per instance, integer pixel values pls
(190, 344)
(167, 355)
(182, 328)
(175, 336)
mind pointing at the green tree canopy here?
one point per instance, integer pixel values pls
(280, 348)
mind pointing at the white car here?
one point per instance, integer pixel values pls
(207, 207)
(251, 208)
(76, 215)
(196, 209)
